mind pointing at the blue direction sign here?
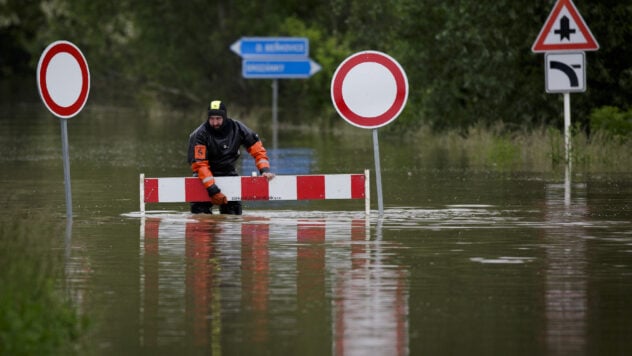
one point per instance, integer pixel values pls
(279, 68)
(249, 47)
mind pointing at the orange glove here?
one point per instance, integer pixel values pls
(219, 199)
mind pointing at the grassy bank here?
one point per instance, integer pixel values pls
(36, 317)
(498, 149)
(540, 150)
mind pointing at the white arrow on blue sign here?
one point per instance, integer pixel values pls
(279, 68)
(249, 47)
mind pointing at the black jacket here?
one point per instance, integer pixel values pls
(222, 145)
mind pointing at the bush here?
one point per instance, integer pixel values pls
(35, 316)
(612, 121)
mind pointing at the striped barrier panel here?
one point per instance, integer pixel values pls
(240, 188)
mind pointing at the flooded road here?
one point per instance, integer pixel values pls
(464, 260)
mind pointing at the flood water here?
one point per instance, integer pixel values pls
(464, 260)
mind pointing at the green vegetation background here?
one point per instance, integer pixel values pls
(468, 62)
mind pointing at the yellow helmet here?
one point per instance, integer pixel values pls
(217, 108)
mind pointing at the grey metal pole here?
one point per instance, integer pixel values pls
(378, 173)
(66, 158)
(275, 125)
(567, 125)
(568, 148)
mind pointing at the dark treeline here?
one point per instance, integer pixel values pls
(468, 62)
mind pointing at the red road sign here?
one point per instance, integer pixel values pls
(565, 30)
(63, 79)
(369, 89)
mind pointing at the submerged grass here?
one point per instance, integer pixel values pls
(540, 150)
(36, 317)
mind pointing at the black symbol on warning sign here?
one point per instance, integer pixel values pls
(568, 70)
(565, 30)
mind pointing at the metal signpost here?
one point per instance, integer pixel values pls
(275, 58)
(563, 38)
(369, 90)
(63, 81)
(564, 34)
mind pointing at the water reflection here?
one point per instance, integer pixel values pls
(255, 277)
(566, 300)
(371, 303)
(201, 296)
(240, 282)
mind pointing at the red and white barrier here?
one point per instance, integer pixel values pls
(283, 187)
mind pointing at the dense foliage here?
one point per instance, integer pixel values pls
(468, 62)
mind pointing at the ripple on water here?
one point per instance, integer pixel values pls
(502, 260)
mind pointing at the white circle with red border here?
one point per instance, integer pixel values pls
(63, 79)
(369, 89)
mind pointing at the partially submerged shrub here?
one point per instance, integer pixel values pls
(612, 121)
(36, 317)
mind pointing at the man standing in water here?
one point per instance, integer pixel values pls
(214, 148)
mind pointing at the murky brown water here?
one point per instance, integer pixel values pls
(464, 261)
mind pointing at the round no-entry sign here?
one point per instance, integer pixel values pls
(63, 79)
(369, 89)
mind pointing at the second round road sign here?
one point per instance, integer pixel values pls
(369, 89)
(63, 79)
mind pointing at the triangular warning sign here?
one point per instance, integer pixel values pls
(565, 30)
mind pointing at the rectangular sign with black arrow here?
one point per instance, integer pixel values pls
(565, 72)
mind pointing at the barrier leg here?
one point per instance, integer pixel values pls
(142, 193)
(367, 193)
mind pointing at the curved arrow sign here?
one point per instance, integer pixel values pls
(568, 70)
(565, 72)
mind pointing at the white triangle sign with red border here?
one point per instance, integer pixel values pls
(565, 30)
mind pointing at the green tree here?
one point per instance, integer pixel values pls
(467, 62)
